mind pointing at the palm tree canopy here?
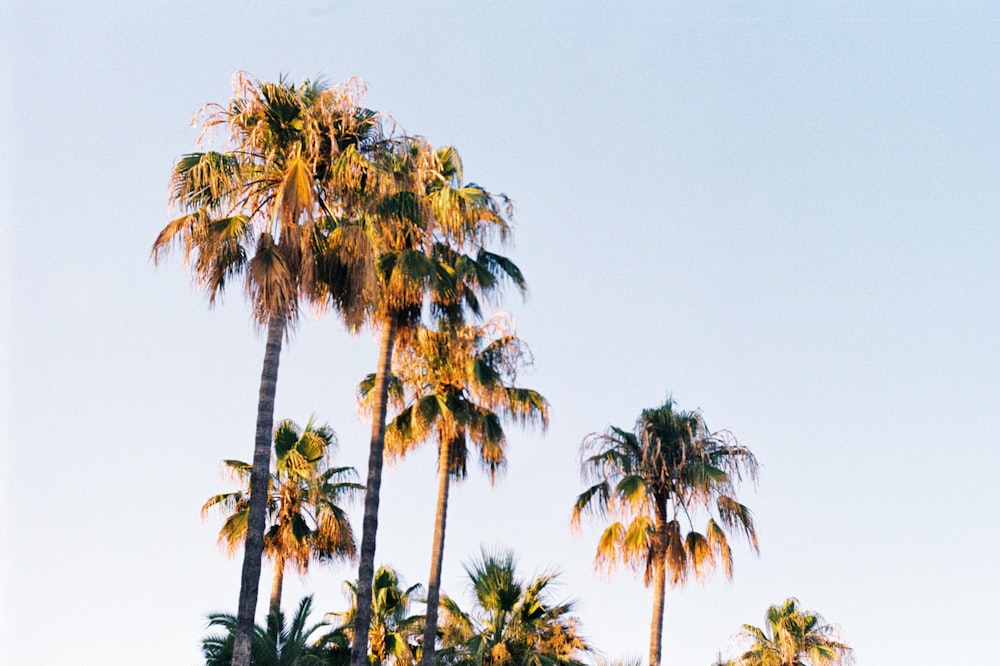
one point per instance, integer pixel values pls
(426, 233)
(394, 631)
(306, 520)
(652, 481)
(794, 637)
(457, 383)
(292, 163)
(514, 621)
(275, 645)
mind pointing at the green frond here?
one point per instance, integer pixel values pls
(233, 531)
(610, 547)
(737, 516)
(699, 553)
(225, 502)
(794, 636)
(208, 180)
(638, 541)
(633, 493)
(593, 501)
(719, 544)
(286, 438)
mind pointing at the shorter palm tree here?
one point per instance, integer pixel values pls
(794, 637)
(275, 645)
(305, 519)
(514, 622)
(392, 638)
(652, 483)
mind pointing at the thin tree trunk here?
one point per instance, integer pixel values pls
(277, 581)
(366, 568)
(659, 591)
(259, 476)
(437, 554)
(656, 629)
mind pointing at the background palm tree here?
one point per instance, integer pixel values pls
(393, 630)
(254, 211)
(459, 385)
(276, 645)
(427, 233)
(794, 637)
(305, 520)
(653, 480)
(514, 621)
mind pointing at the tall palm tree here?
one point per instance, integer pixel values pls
(514, 621)
(794, 637)
(305, 519)
(459, 381)
(275, 645)
(652, 481)
(253, 211)
(393, 630)
(428, 232)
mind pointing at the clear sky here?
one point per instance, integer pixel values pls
(784, 213)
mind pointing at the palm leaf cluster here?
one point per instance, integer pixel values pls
(794, 637)
(514, 621)
(394, 630)
(276, 645)
(292, 163)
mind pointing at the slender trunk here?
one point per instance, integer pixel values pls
(259, 476)
(437, 554)
(277, 581)
(366, 568)
(659, 591)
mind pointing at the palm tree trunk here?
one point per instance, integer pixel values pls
(659, 591)
(277, 581)
(437, 553)
(259, 476)
(366, 568)
(656, 629)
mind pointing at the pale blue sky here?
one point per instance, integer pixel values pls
(784, 213)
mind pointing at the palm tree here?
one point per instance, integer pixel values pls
(653, 480)
(254, 211)
(393, 631)
(794, 637)
(305, 519)
(460, 383)
(275, 645)
(427, 233)
(514, 622)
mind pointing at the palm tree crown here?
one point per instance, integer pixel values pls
(651, 482)
(276, 645)
(392, 637)
(514, 621)
(306, 521)
(456, 384)
(794, 637)
(292, 162)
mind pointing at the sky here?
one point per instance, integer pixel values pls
(784, 214)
